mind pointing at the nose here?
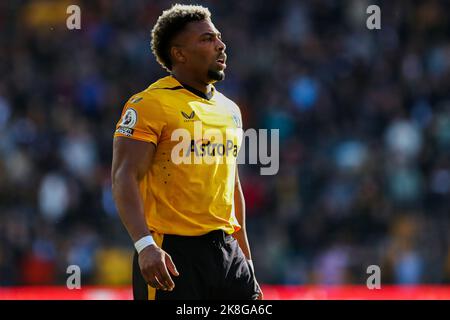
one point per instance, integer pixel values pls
(221, 45)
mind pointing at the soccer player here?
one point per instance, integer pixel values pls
(187, 220)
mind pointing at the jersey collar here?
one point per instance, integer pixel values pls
(208, 96)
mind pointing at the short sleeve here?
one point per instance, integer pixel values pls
(142, 119)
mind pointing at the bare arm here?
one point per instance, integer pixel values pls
(241, 235)
(131, 161)
(239, 209)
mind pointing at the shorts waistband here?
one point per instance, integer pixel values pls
(215, 235)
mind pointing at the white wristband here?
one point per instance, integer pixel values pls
(143, 243)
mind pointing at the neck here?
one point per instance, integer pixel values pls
(187, 79)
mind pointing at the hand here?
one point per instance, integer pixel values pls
(261, 294)
(252, 268)
(155, 263)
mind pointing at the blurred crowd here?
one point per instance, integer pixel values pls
(364, 119)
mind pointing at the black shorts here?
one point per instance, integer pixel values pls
(211, 266)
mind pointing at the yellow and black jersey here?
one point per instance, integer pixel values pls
(189, 189)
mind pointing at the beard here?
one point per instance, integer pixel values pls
(216, 75)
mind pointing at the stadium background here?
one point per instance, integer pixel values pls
(364, 118)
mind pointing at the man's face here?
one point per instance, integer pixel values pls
(203, 50)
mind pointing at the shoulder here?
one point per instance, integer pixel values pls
(150, 101)
(144, 99)
(154, 94)
(232, 106)
(221, 98)
(143, 106)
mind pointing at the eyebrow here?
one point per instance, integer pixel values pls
(211, 34)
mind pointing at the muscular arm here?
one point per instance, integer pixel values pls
(241, 235)
(131, 161)
(239, 209)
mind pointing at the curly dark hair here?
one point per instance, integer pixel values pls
(169, 24)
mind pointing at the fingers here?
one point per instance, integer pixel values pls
(260, 292)
(156, 280)
(171, 266)
(153, 278)
(261, 296)
(155, 270)
(160, 278)
(166, 280)
(155, 283)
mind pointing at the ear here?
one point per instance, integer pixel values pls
(177, 54)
